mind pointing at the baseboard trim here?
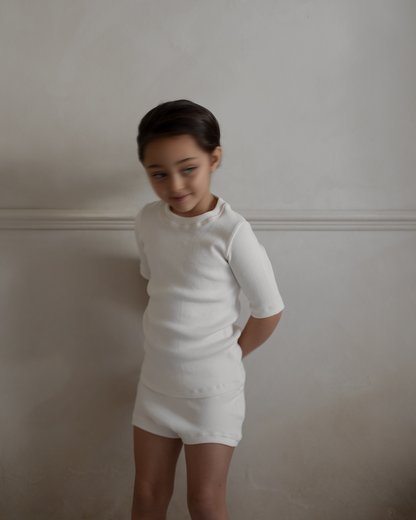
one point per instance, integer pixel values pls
(261, 220)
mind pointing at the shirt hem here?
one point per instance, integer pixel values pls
(199, 393)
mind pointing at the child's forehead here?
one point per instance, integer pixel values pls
(171, 149)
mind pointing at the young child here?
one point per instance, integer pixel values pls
(196, 253)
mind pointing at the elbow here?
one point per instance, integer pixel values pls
(271, 321)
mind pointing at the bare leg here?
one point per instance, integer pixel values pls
(207, 469)
(155, 459)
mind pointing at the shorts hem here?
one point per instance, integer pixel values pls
(154, 428)
(201, 439)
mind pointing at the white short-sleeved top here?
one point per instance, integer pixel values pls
(196, 267)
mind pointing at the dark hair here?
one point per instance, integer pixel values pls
(179, 118)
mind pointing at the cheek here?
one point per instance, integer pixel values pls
(203, 179)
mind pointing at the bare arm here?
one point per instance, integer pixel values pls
(256, 332)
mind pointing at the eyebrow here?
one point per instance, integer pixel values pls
(179, 162)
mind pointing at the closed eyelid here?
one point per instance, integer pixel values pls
(164, 173)
(184, 170)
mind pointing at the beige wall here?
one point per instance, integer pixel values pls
(316, 104)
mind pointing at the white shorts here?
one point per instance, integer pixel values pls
(198, 420)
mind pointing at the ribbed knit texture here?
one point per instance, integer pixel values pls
(196, 267)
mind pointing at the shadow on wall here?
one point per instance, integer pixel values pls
(72, 345)
(337, 455)
(72, 185)
(330, 424)
(355, 474)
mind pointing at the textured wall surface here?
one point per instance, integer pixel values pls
(316, 103)
(315, 98)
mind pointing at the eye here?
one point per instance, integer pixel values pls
(158, 175)
(189, 170)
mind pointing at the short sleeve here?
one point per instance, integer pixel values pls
(144, 267)
(254, 273)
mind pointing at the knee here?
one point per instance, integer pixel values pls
(206, 504)
(148, 500)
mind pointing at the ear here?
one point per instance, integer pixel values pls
(215, 158)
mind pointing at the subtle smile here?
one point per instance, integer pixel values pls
(180, 199)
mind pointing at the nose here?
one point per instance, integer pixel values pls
(176, 184)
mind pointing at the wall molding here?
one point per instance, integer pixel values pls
(261, 220)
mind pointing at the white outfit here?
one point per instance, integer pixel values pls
(196, 267)
(216, 419)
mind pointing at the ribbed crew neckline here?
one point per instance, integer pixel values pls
(197, 220)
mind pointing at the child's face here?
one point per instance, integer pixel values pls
(180, 173)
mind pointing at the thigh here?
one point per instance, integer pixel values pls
(207, 468)
(155, 459)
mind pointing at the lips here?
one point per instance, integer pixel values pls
(180, 199)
